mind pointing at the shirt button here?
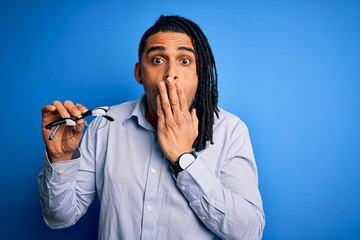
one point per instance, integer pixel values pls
(183, 188)
(148, 208)
(60, 172)
(153, 170)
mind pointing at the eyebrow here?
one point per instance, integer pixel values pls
(187, 49)
(161, 48)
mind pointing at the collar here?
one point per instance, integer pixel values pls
(138, 114)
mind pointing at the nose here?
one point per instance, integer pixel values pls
(170, 71)
(166, 76)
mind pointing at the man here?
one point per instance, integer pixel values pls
(210, 190)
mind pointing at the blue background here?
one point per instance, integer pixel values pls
(289, 69)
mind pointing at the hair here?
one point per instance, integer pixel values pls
(206, 97)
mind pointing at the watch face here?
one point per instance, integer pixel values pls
(185, 160)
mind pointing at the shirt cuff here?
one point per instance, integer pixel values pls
(196, 181)
(61, 171)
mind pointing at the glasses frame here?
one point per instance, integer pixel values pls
(71, 121)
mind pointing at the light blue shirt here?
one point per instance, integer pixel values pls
(215, 197)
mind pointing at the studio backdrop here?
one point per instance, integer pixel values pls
(289, 69)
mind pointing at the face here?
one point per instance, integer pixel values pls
(167, 54)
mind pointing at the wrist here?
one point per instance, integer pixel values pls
(58, 157)
(183, 162)
(175, 156)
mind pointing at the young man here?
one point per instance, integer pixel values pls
(171, 166)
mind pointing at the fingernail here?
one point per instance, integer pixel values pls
(161, 85)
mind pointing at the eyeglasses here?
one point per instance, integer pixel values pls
(88, 116)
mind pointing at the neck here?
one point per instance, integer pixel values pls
(150, 115)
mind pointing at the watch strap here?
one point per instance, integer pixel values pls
(176, 168)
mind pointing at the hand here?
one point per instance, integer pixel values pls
(177, 128)
(61, 147)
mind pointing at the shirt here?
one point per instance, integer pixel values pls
(217, 196)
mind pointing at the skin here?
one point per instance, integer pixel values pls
(62, 150)
(168, 74)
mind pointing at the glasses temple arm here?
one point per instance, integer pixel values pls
(108, 118)
(52, 136)
(56, 123)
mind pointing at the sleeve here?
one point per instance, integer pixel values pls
(64, 199)
(227, 200)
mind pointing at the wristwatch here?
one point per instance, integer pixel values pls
(184, 161)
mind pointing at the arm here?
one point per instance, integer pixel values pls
(224, 196)
(227, 202)
(65, 191)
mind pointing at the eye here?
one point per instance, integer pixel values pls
(185, 61)
(157, 60)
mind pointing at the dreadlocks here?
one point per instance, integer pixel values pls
(206, 97)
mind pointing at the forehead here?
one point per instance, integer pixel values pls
(168, 39)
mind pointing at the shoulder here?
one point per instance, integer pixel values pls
(125, 106)
(229, 124)
(123, 110)
(229, 121)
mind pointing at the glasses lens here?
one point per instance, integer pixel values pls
(95, 122)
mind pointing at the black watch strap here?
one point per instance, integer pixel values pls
(176, 168)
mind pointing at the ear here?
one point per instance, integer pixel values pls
(137, 73)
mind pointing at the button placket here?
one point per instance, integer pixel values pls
(151, 190)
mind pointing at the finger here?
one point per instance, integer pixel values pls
(173, 95)
(164, 101)
(63, 112)
(82, 108)
(195, 121)
(160, 111)
(78, 130)
(80, 123)
(49, 114)
(182, 97)
(48, 109)
(71, 108)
